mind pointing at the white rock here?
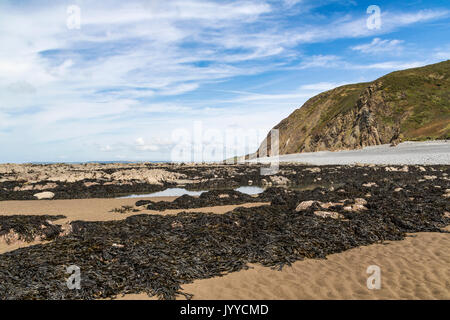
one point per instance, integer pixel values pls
(304, 205)
(355, 208)
(370, 184)
(279, 180)
(393, 169)
(328, 214)
(44, 195)
(361, 201)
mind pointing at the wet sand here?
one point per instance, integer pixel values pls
(415, 268)
(90, 210)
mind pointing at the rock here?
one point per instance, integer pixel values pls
(313, 170)
(44, 195)
(430, 177)
(328, 214)
(250, 182)
(393, 169)
(370, 184)
(89, 184)
(398, 189)
(361, 201)
(324, 205)
(422, 169)
(304, 205)
(279, 180)
(327, 204)
(176, 224)
(447, 214)
(355, 208)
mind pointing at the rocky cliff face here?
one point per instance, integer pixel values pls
(411, 104)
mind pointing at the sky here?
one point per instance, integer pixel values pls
(152, 80)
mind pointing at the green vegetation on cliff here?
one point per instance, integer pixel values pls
(411, 104)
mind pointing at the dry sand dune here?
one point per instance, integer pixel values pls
(415, 268)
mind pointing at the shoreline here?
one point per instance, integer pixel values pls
(406, 153)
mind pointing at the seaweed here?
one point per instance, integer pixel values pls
(29, 227)
(210, 198)
(158, 254)
(124, 209)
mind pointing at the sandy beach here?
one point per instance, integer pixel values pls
(90, 210)
(414, 268)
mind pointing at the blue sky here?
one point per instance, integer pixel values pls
(142, 80)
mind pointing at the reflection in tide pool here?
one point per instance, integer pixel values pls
(250, 190)
(176, 192)
(170, 192)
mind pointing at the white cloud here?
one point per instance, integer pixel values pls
(291, 3)
(322, 86)
(121, 75)
(391, 65)
(380, 46)
(320, 61)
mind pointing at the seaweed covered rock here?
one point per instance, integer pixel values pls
(29, 228)
(206, 199)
